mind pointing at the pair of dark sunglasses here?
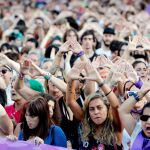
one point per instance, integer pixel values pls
(144, 117)
(3, 71)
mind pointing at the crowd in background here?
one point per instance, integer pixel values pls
(76, 74)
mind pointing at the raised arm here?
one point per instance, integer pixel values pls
(71, 94)
(6, 124)
(124, 111)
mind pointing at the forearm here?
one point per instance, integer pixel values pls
(6, 125)
(56, 63)
(89, 88)
(71, 101)
(61, 85)
(14, 65)
(128, 104)
(112, 98)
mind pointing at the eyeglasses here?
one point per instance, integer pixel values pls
(144, 117)
(3, 71)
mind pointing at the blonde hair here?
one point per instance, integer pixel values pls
(104, 134)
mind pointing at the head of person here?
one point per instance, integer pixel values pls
(6, 74)
(88, 40)
(70, 34)
(54, 91)
(53, 110)
(50, 50)
(32, 43)
(36, 120)
(47, 64)
(117, 48)
(145, 118)
(141, 69)
(34, 56)
(98, 118)
(108, 36)
(39, 21)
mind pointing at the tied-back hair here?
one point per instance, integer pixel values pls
(104, 133)
(37, 107)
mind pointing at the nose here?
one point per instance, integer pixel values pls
(96, 111)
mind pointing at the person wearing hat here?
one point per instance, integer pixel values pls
(108, 37)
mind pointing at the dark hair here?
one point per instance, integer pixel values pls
(116, 46)
(33, 40)
(38, 106)
(136, 55)
(89, 32)
(147, 105)
(49, 49)
(67, 32)
(3, 97)
(13, 56)
(56, 118)
(137, 62)
(4, 46)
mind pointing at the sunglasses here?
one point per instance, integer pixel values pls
(3, 71)
(144, 117)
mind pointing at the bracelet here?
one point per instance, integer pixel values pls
(134, 94)
(108, 93)
(80, 54)
(100, 84)
(48, 76)
(138, 84)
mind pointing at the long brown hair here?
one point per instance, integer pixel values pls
(103, 133)
(38, 106)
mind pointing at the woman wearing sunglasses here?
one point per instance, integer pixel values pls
(129, 122)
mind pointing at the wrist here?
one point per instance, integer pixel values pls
(48, 76)
(21, 76)
(134, 94)
(81, 53)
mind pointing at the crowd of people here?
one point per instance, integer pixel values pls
(76, 74)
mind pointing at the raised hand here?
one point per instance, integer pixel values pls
(75, 47)
(4, 60)
(64, 47)
(25, 67)
(75, 73)
(92, 73)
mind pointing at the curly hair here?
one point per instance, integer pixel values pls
(105, 132)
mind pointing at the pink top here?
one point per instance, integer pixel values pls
(12, 113)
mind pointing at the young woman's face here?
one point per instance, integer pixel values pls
(32, 121)
(71, 35)
(141, 70)
(97, 111)
(146, 123)
(51, 106)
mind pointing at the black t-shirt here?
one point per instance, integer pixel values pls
(92, 144)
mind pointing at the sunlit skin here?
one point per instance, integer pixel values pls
(88, 43)
(108, 38)
(146, 124)
(142, 71)
(32, 121)
(97, 111)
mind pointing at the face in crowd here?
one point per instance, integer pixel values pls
(97, 111)
(145, 119)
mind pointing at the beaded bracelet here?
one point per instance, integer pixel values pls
(81, 53)
(134, 94)
(48, 76)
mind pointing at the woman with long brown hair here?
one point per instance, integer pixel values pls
(37, 125)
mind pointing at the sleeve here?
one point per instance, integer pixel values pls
(59, 137)
(2, 111)
(20, 137)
